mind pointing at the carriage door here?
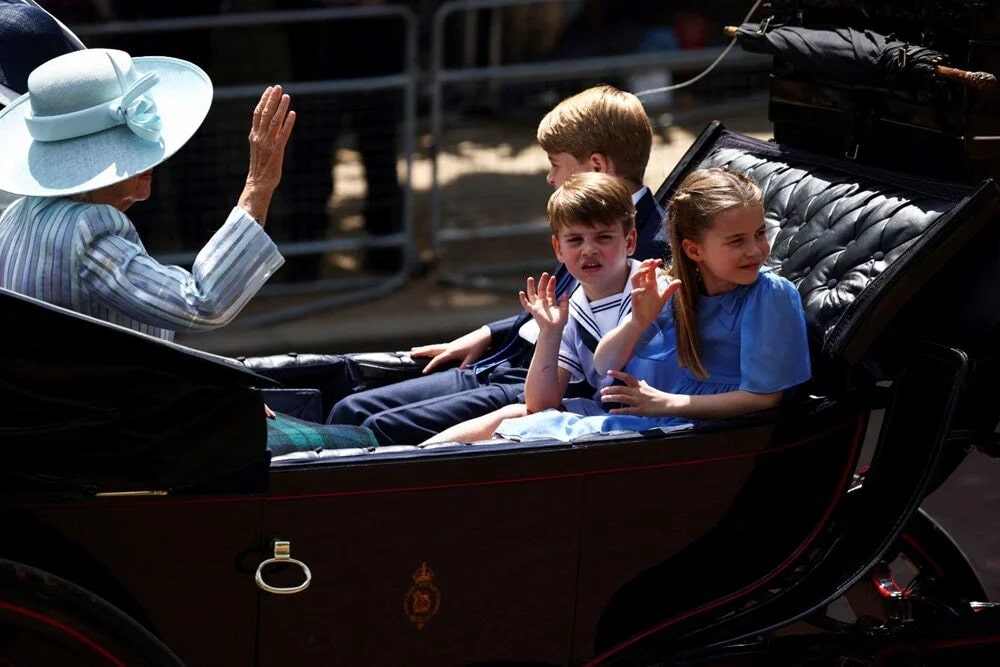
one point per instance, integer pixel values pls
(420, 560)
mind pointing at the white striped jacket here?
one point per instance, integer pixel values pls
(88, 258)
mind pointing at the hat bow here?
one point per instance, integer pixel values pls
(133, 109)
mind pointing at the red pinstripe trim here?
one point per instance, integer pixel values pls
(430, 487)
(923, 553)
(94, 646)
(541, 478)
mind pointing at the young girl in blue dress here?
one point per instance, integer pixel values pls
(729, 339)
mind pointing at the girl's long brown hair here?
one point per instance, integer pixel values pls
(702, 194)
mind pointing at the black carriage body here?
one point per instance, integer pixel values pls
(137, 471)
(523, 548)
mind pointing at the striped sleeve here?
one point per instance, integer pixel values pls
(228, 271)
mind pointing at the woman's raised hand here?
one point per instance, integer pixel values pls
(549, 312)
(272, 124)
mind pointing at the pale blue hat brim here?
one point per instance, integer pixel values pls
(183, 96)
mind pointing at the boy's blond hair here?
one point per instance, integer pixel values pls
(605, 120)
(594, 199)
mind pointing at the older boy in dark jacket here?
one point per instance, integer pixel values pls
(600, 129)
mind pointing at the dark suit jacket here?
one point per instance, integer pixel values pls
(651, 243)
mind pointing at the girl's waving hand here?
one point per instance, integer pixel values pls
(649, 296)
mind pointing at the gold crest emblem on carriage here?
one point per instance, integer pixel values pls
(423, 599)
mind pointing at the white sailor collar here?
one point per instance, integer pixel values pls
(581, 308)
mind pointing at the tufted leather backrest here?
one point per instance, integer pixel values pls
(859, 243)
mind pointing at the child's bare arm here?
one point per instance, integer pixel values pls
(648, 299)
(643, 400)
(546, 382)
(478, 428)
(615, 347)
(470, 348)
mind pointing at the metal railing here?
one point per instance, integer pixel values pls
(492, 75)
(347, 289)
(439, 79)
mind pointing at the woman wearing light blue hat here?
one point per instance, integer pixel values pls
(80, 147)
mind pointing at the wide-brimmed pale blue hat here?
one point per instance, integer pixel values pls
(96, 117)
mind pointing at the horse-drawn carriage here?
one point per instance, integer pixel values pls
(148, 524)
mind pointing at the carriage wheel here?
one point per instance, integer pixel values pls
(46, 620)
(924, 575)
(927, 568)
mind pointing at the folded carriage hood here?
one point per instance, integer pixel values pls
(89, 407)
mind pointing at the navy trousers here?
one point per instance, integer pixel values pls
(408, 412)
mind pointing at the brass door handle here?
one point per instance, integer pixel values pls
(282, 554)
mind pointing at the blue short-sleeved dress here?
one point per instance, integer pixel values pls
(752, 338)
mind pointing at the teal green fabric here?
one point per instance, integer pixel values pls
(286, 434)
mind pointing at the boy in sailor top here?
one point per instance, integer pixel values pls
(601, 129)
(593, 233)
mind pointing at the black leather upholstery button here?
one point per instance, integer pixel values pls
(878, 256)
(831, 283)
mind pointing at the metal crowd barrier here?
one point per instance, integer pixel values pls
(491, 77)
(341, 290)
(496, 77)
